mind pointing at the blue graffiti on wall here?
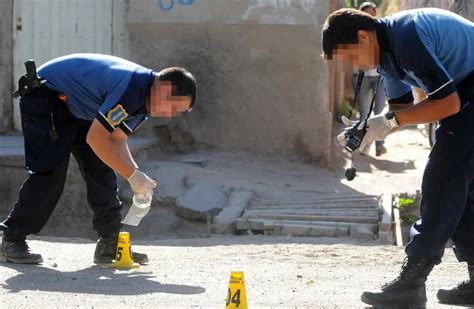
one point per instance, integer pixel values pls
(167, 5)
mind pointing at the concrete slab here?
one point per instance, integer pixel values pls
(13, 145)
(202, 201)
(224, 222)
(11, 150)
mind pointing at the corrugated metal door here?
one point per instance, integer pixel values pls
(45, 29)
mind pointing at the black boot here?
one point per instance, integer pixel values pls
(408, 289)
(18, 252)
(462, 294)
(106, 250)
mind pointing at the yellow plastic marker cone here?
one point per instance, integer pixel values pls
(124, 258)
(236, 296)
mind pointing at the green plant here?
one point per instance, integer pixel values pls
(345, 107)
(405, 202)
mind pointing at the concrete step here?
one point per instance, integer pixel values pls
(12, 149)
(314, 214)
(335, 216)
(308, 228)
(316, 201)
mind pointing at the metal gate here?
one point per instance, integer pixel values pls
(45, 29)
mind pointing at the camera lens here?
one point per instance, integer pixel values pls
(350, 173)
(352, 143)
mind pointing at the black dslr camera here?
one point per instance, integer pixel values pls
(354, 136)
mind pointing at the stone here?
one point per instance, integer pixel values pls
(201, 202)
(224, 222)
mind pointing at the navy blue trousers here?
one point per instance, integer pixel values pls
(447, 199)
(47, 160)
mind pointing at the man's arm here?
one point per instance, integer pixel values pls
(393, 107)
(111, 148)
(428, 110)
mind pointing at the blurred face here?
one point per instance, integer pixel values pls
(361, 56)
(163, 104)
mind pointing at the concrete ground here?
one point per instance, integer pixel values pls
(279, 271)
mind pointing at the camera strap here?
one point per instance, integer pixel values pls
(351, 172)
(360, 79)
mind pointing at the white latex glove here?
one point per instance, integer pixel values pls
(141, 184)
(377, 129)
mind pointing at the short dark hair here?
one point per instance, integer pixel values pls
(367, 5)
(183, 80)
(341, 28)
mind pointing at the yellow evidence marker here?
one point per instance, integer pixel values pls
(236, 296)
(123, 257)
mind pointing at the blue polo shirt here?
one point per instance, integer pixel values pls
(107, 88)
(428, 48)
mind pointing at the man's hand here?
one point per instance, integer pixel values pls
(141, 184)
(377, 129)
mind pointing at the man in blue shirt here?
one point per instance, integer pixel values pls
(87, 105)
(431, 49)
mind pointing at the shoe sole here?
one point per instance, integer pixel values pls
(385, 305)
(5, 259)
(468, 302)
(464, 298)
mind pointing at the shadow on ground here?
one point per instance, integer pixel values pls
(364, 163)
(92, 280)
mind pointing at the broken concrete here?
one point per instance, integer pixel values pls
(171, 178)
(224, 222)
(202, 202)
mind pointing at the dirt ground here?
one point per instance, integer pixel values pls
(399, 170)
(279, 271)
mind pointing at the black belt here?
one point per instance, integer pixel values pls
(45, 91)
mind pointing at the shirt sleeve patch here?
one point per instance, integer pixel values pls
(116, 115)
